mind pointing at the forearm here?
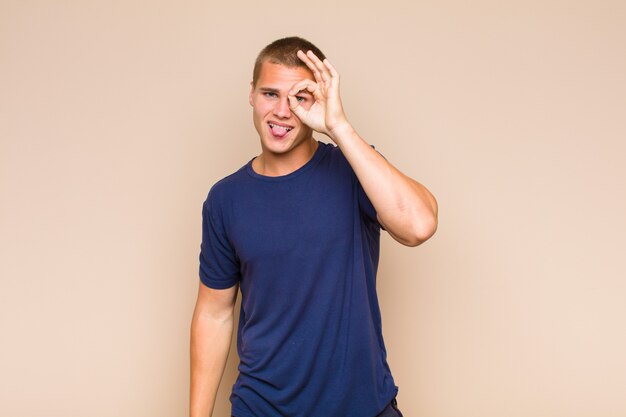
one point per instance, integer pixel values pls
(210, 343)
(406, 208)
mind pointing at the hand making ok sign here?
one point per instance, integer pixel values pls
(326, 115)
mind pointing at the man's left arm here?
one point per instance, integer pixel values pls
(405, 208)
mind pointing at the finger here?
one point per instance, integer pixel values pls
(306, 84)
(319, 65)
(333, 73)
(295, 106)
(311, 65)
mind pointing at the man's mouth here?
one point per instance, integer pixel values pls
(278, 130)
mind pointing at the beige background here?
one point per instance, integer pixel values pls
(117, 116)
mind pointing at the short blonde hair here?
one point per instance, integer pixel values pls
(284, 52)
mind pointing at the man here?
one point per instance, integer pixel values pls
(298, 229)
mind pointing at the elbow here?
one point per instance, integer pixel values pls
(414, 227)
(425, 225)
(423, 230)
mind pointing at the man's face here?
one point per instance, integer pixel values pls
(279, 129)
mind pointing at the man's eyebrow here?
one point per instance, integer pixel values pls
(275, 90)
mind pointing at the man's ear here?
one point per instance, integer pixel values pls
(251, 92)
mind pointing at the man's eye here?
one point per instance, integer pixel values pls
(269, 94)
(301, 99)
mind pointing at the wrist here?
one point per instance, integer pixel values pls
(342, 130)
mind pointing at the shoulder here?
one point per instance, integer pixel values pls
(334, 156)
(226, 186)
(336, 152)
(337, 159)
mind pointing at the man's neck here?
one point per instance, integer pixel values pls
(275, 165)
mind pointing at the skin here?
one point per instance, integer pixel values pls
(270, 103)
(308, 100)
(405, 208)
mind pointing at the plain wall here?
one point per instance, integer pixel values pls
(116, 117)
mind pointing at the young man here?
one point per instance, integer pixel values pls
(298, 229)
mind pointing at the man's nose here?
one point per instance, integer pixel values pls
(282, 108)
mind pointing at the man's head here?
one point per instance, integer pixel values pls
(283, 51)
(276, 71)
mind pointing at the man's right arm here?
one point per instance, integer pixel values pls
(211, 333)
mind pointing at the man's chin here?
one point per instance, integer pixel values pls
(283, 145)
(277, 146)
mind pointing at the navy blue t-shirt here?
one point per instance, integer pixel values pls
(304, 248)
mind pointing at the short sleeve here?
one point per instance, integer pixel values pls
(219, 266)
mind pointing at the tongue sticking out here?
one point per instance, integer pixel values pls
(279, 131)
